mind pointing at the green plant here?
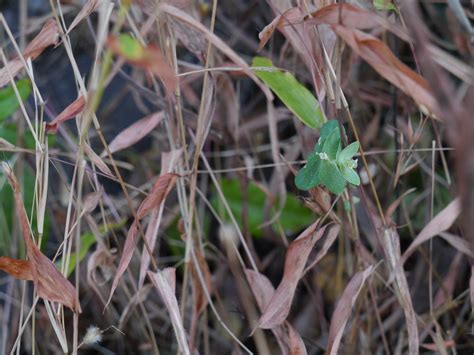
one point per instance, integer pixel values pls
(328, 164)
(8, 99)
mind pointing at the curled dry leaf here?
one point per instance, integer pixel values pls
(48, 36)
(135, 132)
(100, 269)
(440, 223)
(149, 57)
(162, 187)
(279, 306)
(71, 111)
(20, 269)
(165, 282)
(381, 58)
(290, 16)
(50, 283)
(343, 309)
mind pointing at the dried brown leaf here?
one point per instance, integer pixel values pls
(150, 58)
(50, 283)
(20, 269)
(279, 306)
(135, 132)
(351, 16)
(440, 223)
(381, 58)
(288, 339)
(165, 282)
(71, 111)
(168, 162)
(48, 36)
(98, 162)
(343, 309)
(291, 16)
(162, 187)
(295, 343)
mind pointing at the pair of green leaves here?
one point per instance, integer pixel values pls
(328, 164)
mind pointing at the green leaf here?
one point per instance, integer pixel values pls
(350, 175)
(308, 176)
(348, 152)
(8, 100)
(332, 144)
(129, 47)
(295, 96)
(331, 177)
(294, 217)
(384, 5)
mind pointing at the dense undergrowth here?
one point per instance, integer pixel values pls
(233, 177)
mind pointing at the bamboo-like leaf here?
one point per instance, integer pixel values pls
(294, 95)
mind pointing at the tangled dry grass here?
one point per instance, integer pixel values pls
(147, 194)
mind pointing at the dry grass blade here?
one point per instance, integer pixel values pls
(165, 281)
(381, 58)
(71, 111)
(20, 269)
(440, 223)
(50, 283)
(162, 187)
(279, 306)
(391, 246)
(86, 10)
(48, 36)
(343, 310)
(135, 132)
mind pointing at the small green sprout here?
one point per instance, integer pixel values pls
(328, 164)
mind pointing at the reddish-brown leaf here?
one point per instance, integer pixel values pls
(20, 269)
(49, 282)
(165, 282)
(351, 16)
(75, 108)
(279, 306)
(441, 222)
(135, 132)
(292, 15)
(381, 58)
(150, 58)
(48, 36)
(168, 162)
(162, 187)
(343, 309)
